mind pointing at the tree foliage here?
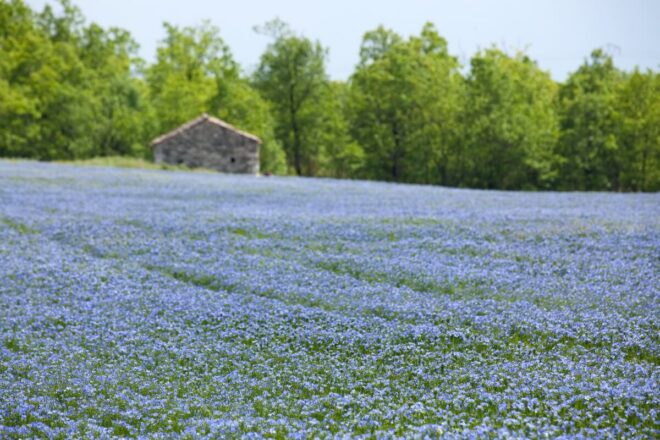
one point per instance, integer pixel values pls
(638, 108)
(510, 124)
(292, 77)
(195, 73)
(70, 89)
(590, 125)
(404, 100)
(66, 89)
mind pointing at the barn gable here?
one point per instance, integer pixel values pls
(209, 142)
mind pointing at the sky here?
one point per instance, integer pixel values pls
(558, 34)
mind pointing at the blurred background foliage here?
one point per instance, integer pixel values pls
(71, 90)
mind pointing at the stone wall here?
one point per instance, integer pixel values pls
(211, 146)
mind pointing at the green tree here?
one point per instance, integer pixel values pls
(195, 73)
(67, 89)
(291, 76)
(590, 126)
(183, 80)
(237, 102)
(44, 111)
(342, 156)
(638, 105)
(125, 119)
(510, 123)
(404, 101)
(20, 44)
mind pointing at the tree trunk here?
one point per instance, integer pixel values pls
(396, 156)
(297, 159)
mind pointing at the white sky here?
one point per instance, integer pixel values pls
(559, 34)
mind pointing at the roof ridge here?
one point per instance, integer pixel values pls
(203, 118)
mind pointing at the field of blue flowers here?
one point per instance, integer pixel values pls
(160, 304)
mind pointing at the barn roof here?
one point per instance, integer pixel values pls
(200, 120)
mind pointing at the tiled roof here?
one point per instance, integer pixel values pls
(199, 120)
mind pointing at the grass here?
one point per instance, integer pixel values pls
(20, 227)
(130, 162)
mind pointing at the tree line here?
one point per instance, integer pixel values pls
(72, 90)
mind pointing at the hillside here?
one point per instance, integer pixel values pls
(146, 303)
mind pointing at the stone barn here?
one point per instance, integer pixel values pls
(209, 142)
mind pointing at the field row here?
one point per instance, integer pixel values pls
(147, 304)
